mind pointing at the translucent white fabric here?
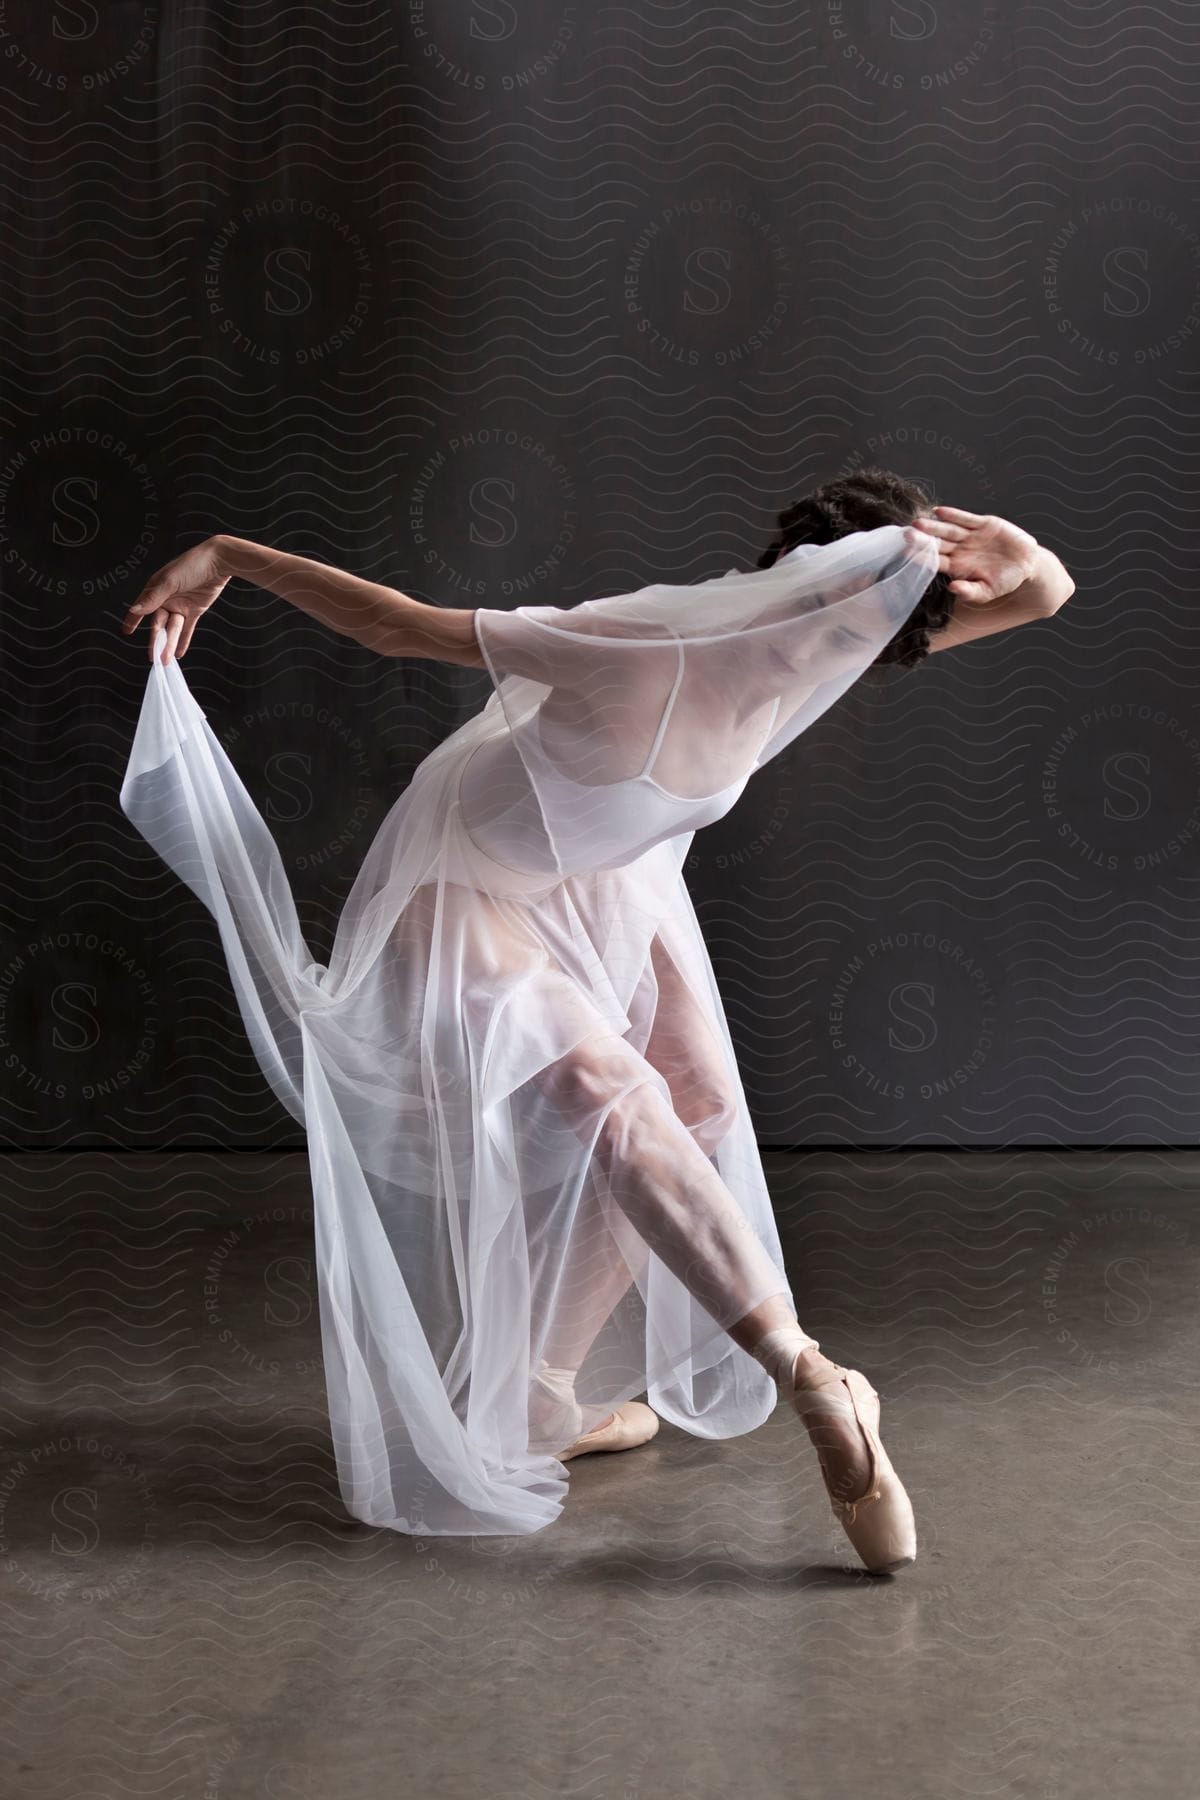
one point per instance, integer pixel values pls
(536, 1185)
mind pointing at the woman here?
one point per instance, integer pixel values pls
(536, 1187)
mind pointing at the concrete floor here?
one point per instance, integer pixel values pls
(191, 1613)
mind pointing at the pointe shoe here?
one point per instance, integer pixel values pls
(631, 1425)
(879, 1523)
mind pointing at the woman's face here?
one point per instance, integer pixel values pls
(844, 644)
(834, 644)
(844, 641)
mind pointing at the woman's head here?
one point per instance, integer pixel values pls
(860, 502)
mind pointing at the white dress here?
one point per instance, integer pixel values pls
(488, 1281)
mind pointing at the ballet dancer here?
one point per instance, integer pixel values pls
(652, 1110)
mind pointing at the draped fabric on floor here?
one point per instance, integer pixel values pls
(515, 1072)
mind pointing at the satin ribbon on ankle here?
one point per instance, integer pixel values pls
(777, 1351)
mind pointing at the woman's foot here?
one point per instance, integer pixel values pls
(632, 1424)
(835, 1432)
(840, 1410)
(556, 1418)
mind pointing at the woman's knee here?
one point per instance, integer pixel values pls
(605, 1088)
(592, 1079)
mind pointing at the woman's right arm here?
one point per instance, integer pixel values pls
(1001, 575)
(381, 618)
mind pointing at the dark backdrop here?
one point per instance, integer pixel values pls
(528, 302)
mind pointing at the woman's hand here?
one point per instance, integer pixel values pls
(178, 594)
(985, 557)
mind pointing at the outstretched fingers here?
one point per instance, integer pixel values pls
(150, 605)
(928, 529)
(144, 603)
(941, 528)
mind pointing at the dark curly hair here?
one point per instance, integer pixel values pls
(859, 502)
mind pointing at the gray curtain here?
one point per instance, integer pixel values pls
(504, 305)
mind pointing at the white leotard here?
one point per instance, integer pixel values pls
(504, 818)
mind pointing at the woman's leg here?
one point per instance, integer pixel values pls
(651, 1184)
(686, 1052)
(668, 1189)
(660, 1178)
(598, 1268)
